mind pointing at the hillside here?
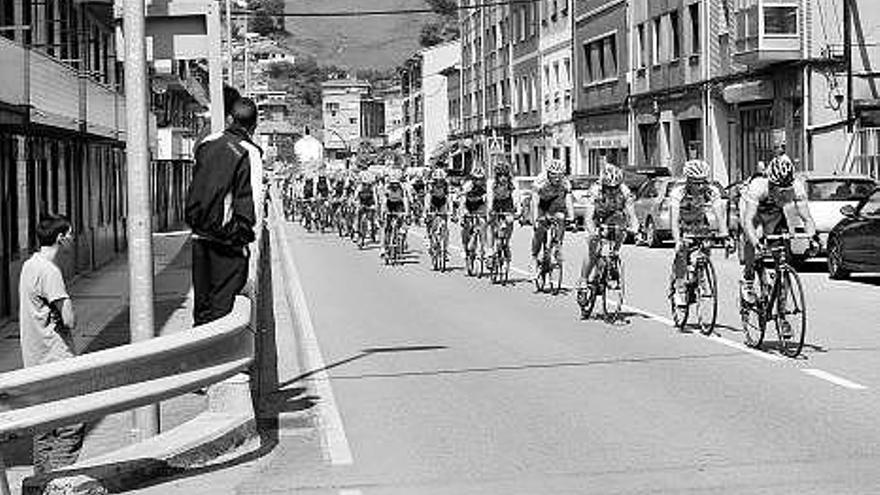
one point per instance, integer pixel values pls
(378, 42)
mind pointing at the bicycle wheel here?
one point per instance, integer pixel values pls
(586, 296)
(541, 279)
(479, 257)
(505, 263)
(680, 314)
(791, 313)
(753, 315)
(705, 294)
(612, 298)
(555, 277)
(444, 246)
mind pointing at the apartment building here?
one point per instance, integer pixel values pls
(392, 97)
(435, 95)
(556, 96)
(601, 59)
(413, 109)
(485, 80)
(527, 139)
(352, 115)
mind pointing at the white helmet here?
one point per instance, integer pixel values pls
(394, 175)
(366, 177)
(780, 172)
(556, 167)
(696, 170)
(438, 174)
(612, 175)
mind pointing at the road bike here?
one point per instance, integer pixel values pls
(438, 234)
(779, 297)
(607, 277)
(474, 250)
(394, 237)
(549, 276)
(700, 284)
(366, 226)
(339, 214)
(499, 260)
(308, 216)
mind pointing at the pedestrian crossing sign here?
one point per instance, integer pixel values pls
(496, 147)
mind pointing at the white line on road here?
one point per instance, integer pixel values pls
(744, 348)
(828, 377)
(350, 492)
(333, 435)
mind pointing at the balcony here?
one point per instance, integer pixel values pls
(768, 31)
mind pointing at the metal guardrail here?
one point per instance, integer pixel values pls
(122, 378)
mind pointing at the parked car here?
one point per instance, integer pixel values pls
(580, 188)
(826, 195)
(652, 209)
(524, 188)
(854, 243)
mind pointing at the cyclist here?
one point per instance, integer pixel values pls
(501, 196)
(365, 197)
(609, 202)
(308, 197)
(338, 194)
(437, 196)
(417, 191)
(554, 202)
(691, 204)
(475, 193)
(395, 200)
(771, 203)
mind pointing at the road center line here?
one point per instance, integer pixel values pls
(828, 377)
(335, 442)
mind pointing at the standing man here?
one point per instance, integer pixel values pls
(46, 320)
(222, 211)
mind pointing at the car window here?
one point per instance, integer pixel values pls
(649, 190)
(871, 208)
(839, 189)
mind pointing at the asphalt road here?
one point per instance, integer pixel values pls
(443, 384)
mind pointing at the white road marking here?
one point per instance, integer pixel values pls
(744, 348)
(350, 492)
(828, 377)
(336, 447)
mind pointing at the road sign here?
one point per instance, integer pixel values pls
(496, 146)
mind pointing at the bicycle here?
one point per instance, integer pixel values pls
(394, 241)
(499, 260)
(550, 266)
(366, 226)
(701, 284)
(779, 297)
(339, 208)
(474, 249)
(308, 214)
(438, 234)
(608, 279)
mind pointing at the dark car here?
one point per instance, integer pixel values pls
(854, 243)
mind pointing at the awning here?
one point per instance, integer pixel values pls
(749, 91)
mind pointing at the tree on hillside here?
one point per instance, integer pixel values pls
(266, 20)
(443, 29)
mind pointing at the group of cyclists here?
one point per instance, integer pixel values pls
(771, 200)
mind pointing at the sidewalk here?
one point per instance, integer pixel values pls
(101, 302)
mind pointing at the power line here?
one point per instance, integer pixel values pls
(385, 12)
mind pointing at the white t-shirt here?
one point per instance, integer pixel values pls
(43, 338)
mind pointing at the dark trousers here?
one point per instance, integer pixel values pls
(219, 273)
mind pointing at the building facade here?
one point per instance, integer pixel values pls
(557, 98)
(351, 116)
(413, 110)
(435, 96)
(601, 89)
(526, 131)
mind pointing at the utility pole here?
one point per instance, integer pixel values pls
(229, 40)
(140, 235)
(848, 57)
(247, 55)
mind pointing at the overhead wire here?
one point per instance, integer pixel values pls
(361, 13)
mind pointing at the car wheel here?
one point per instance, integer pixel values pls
(651, 238)
(835, 260)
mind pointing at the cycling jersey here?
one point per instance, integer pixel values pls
(339, 189)
(475, 197)
(366, 197)
(610, 204)
(694, 200)
(394, 196)
(309, 189)
(439, 190)
(551, 197)
(771, 200)
(419, 187)
(322, 187)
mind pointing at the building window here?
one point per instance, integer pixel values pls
(694, 12)
(568, 72)
(534, 97)
(353, 120)
(675, 34)
(333, 108)
(610, 56)
(780, 20)
(642, 52)
(655, 42)
(601, 58)
(556, 74)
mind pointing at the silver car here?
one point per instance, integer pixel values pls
(826, 195)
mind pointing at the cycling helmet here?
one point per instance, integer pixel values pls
(478, 172)
(502, 168)
(612, 175)
(780, 172)
(366, 177)
(696, 170)
(438, 174)
(556, 168)
(394, 175)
